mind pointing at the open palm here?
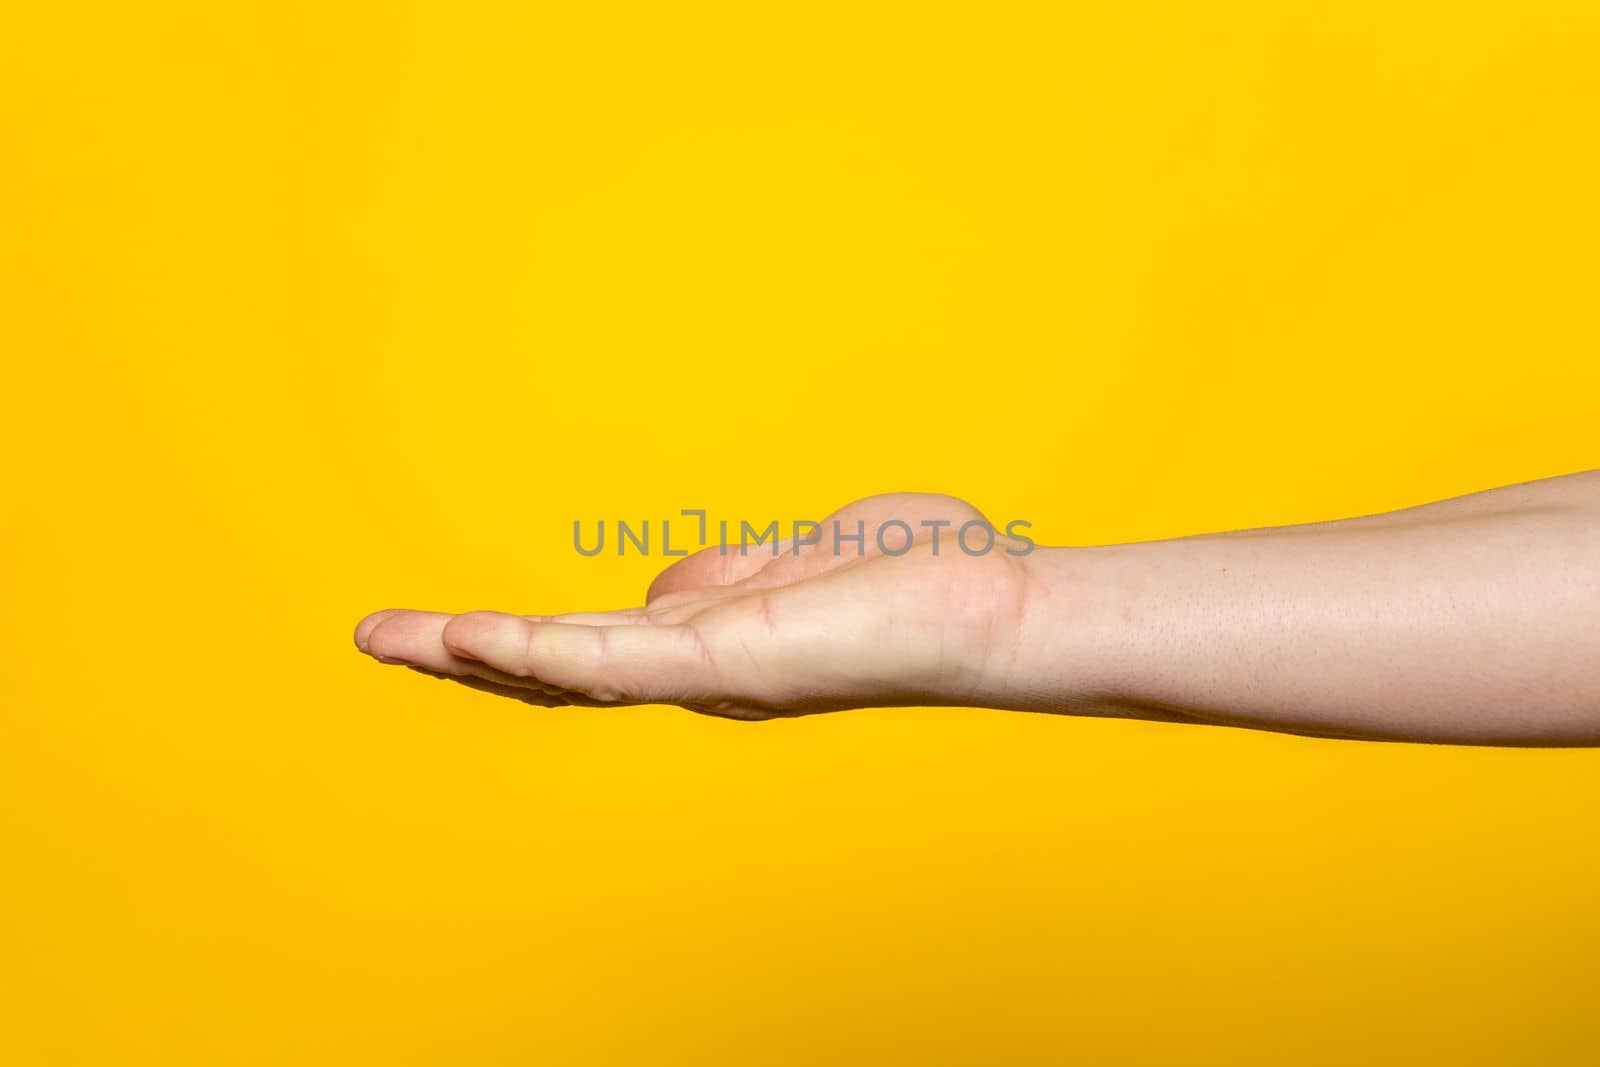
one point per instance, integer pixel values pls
(753, 635)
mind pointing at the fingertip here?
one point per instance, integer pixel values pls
(387, 640)
(364, 628)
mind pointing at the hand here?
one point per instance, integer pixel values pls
(753, 635)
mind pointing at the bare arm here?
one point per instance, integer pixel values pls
(1474, 620)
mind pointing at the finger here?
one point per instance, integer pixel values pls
(871, 527)
(523, 694)
(537, 697)
(409, 637)
(415, 638)
(859, 530)
(676, 607)
(619, 617)
(633, 664)
(911, 508)
(365, 627)
(715, 566)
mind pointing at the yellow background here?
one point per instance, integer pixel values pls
(311, 309)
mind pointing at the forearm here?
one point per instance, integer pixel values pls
(1472, 620)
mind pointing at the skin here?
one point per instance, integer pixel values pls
(1472, 621)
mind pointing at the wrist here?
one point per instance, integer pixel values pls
(1069, 646)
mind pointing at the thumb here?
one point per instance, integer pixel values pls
(630, 663)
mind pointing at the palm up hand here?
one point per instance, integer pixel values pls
(753, 635)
